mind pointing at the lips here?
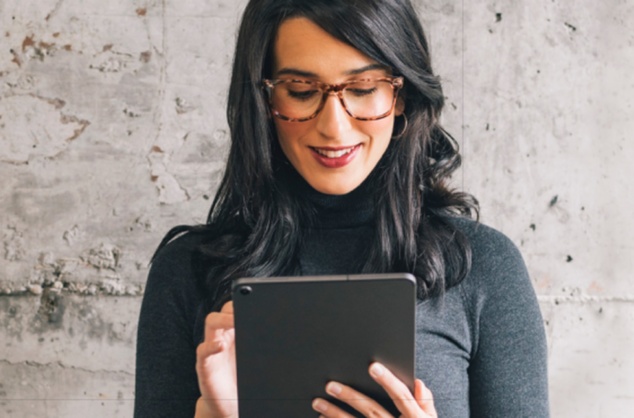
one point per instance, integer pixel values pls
(335, 157)
(333, 153)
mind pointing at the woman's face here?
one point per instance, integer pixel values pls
(333, 152)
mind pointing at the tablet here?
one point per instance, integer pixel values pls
(294, 334)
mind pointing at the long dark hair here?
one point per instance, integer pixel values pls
(254, 227)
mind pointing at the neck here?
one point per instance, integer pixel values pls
(336, 211)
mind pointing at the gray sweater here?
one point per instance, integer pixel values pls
(480, 348)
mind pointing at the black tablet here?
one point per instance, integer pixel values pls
(294, 334)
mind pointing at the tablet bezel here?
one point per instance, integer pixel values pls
(281, 367)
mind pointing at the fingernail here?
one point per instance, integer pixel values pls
(376, 370)
(319, 405)
(333, 388)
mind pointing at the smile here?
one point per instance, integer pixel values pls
(329, 153)
(335, 157)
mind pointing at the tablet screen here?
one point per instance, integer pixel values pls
(294, 334)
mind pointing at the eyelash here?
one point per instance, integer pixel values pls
(302, 95)
(307, 95)
(363, 92)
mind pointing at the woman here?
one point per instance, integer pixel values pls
(338, 165)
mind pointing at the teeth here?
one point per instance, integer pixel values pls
(333, 154)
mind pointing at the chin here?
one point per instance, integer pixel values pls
(334, 188)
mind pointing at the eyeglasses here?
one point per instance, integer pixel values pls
(363, 99)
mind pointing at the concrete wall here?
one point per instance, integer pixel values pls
(112, 130)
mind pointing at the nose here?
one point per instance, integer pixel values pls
(333, 121)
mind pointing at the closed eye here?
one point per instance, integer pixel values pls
(362, 92)
(302, 95)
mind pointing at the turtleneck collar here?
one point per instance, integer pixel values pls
(354, 209)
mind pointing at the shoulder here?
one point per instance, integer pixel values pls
(506, 327)
(483, 236)
(171, 269)
(177, 252)
(498, 275)
(492, 251)
(172, 296)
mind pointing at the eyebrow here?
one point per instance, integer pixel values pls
(356, 71)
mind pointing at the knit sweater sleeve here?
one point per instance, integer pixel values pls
(508, 367)
(166, 383)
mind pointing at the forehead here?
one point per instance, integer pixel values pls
(302, 45)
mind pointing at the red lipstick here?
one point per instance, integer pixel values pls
(335, 157)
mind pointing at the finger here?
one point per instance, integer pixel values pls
(227, 308)
(208, 350)
(362, 403)
(216, 322)
(424, 398)
(397, 390)
(329, 410)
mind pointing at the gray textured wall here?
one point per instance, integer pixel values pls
(112, 130)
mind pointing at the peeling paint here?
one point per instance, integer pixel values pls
(30, 141)
(72, 235)
(182, 106)
(13, 242)
(106, 287)
(107, 256)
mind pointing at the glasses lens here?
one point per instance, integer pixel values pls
(364, 99)
(295, 99)
(369, 98)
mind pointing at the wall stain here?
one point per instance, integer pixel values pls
(129, 113)
(66, 119)
(145, 56)
(57, 103)
(27, 42)
(50, 314)
(54, 11)
(38, 49)
(182, 106)
(553, 201)
(10, 316)
(16, 58)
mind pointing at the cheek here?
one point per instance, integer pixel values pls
(380, 130)
(289, 135)
(287, 131)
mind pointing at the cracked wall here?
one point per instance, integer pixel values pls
(112, 130)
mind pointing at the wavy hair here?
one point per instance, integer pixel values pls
(254, 226)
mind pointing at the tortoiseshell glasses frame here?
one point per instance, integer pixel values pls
(396, 83)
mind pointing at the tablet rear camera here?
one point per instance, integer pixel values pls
(246, 290)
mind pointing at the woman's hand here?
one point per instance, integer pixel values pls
(418, 405)
(216, 367)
